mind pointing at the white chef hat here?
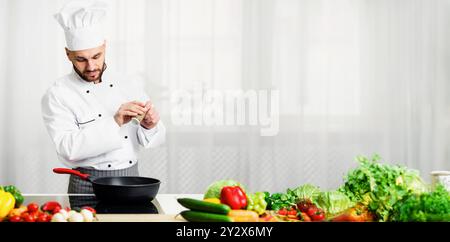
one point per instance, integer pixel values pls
(82, 23)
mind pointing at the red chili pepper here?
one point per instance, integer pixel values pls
(234, 197)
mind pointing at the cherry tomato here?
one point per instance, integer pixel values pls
(15, 219)
(292, 212)
(303, 206)
(35, 214)
(319, 216)
(43, 218)
(33, 207)
(24, 214)
(29, 218)
(282, 211)
(311, 210)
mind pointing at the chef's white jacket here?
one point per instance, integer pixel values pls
(79, 117)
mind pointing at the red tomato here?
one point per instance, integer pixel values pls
(24, 214)
(15, 219)
(292, 212)
(43, 218)
(303, 206)
(33, 207)
(29, 218)
(319, 216)
(282, 211)
(311, 210)
(35, 214)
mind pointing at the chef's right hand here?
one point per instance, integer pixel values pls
(128, 111)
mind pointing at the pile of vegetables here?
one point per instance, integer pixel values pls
(10, 198)
(12, 209)
(380, 186)
(50, 211)
(16, 194)
(304, 203)
(373, 191)
(309, 203)
(225, 201)
(86, 214)
(426, 207)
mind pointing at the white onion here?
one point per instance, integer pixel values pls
(76, 217)
(57, 217)
(87, 215)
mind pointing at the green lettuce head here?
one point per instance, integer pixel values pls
(213, 191)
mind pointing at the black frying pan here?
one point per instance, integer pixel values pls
(126, 189)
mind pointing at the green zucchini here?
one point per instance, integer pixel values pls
(196, 216)
(202, 206)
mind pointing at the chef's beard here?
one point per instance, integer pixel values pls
(84, 75)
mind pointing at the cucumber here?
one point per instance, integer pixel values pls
(196, 216)
(202, 206)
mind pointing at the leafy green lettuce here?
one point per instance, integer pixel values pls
(305, 193)
(380, 186)
(426, 207)
(278, 201)
(334, 202)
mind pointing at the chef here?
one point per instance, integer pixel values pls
(98, 120)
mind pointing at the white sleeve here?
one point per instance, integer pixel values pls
(73, 143)
(151, 138)
(148, 138)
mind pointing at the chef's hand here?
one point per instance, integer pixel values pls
(128, 111)
(151, 118)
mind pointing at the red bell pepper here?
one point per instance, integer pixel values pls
(234, 197)
(51, 207)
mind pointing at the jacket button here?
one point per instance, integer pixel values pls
(109, 166)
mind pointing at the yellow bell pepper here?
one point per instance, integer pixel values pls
(212, 200)
(7, 202)
(17, 211)
(243, 216)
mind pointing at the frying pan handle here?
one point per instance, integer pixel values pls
(72, 172)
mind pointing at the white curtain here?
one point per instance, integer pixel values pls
(355, 77)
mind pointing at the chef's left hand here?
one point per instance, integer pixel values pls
(151, 118)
